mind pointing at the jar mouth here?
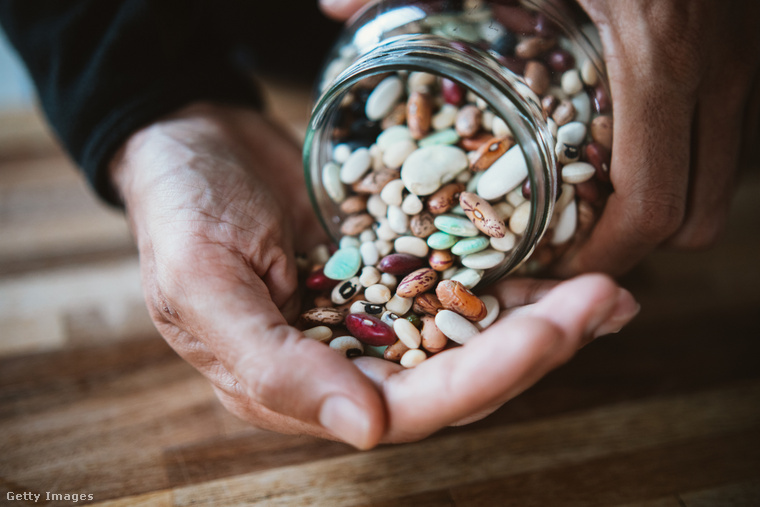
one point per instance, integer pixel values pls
(504, 92)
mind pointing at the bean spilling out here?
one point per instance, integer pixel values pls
(434, 192)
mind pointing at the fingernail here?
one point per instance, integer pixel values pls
(346, 421)
(626, 308)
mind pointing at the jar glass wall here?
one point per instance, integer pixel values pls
(531, 77)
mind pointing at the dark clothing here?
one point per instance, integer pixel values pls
(105, 68)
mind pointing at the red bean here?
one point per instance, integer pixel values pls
(453, 93)
(400, 264)
(318, 281)
(369, 329)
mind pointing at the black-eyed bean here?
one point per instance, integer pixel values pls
(388, 317)
(366, 307)
(348, 346)
(346, 290)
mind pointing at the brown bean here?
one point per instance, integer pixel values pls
(427, 303)
(601, 131)
(355, 224)
(374, 182)
(323, 315)
(482, 215)
(395, 351)
(354, 204)
(475, 142)
(396, 117)
(456, 297)
(549, 104)
(433, 340)
(599, 157)
(491, 151)
(515, 18)
(441, 260)
(564, 113)
(419, 110)
(532, 47)
(445, 198)
(537, 77)
(422, 224)
(417, 282)
(468, 121)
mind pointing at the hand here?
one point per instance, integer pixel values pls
(542, 325)
(216, 202)
(682, 76)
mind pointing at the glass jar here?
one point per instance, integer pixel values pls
(528, 72)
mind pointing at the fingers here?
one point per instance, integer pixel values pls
(276, 368)
(501, 362)
(341, 9)
(723, 98)
(650, 175)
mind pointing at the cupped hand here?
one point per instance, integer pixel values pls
(542, 324)
(217, 204)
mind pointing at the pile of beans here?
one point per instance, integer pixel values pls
(434, 192)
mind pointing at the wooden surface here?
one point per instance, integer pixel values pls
(665, 414)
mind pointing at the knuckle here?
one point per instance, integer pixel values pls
(656, 218)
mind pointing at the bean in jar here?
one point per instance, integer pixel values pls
(450, 148)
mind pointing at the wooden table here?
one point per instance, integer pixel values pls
(665, 414)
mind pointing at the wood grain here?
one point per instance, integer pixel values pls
(92, 400)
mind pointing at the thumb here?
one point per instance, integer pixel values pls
(277, 367)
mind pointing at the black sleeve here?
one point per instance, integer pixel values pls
(104, 68)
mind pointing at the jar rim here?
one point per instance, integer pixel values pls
(478, 71)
